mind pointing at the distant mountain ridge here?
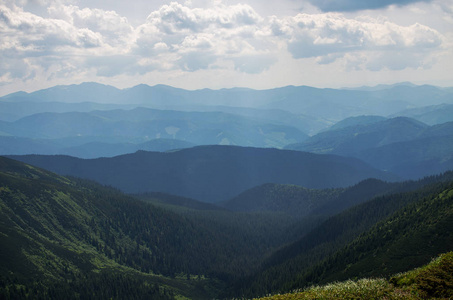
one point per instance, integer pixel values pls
(91, 113)
(141, 125)
(212, 173)
(360, 135)
(355, 121)
(84, 147)
(402, 145)
(333, 104)
(273, 118)
(381, 86)
(431, 115)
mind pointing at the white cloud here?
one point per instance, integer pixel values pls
(70, 37)
(34, 35)
(330, 36)
(197, 38)
(69, 41)
(33, 42)
(114, 29)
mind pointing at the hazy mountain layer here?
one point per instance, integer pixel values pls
(431, 115)
(400, 145)
(142, 124)
(88, 147)
(333, 104)
(348, 140)
(212, 173)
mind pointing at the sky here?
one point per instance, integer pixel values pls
(195, 44)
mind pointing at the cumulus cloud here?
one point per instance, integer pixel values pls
(29, 41)
(109, 24)
(26, 32)
(178, 37)
(196, 38)
(354, 5)
(328, 37)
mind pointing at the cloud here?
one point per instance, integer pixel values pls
(30, 44)
(13, 68)
(194, 38)
(354, 5)
(328, 37)
(113, 28)
(32, 35)
(175, 17)
(254, 64)
(110, 66)
(398, 61)
(194, 61)
(62, 43)
(72, 40)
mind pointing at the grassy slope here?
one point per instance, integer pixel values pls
(433, 281)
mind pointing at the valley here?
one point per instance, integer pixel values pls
(164, 193)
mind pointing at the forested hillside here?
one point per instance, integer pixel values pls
(411, 236)
(212, 173)
(387, 235)
(64, 231)
(290, 199)
(75, 234)
(300, 202)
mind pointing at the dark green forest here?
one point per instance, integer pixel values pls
(386, 235)
(71, 238)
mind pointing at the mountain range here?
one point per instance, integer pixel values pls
(156, 192)
(330, 104)
(211, 173)
(401, 145)
(61, 131)
(301, 99)
(90, 116)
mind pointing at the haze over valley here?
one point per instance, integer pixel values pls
(278, 169)
(226, 150)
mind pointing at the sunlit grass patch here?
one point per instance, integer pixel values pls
(433, 281)
(361, 289)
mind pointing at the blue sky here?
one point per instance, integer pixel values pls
(221, 44)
